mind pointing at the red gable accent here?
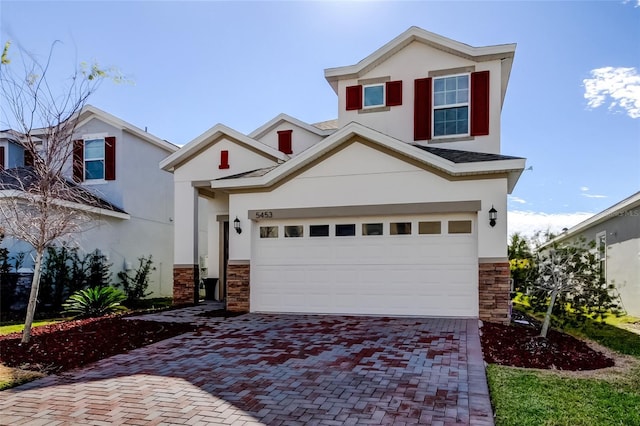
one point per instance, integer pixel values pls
(394, 93)
(354, 98)
(480, 103)
(224, 160)
(284, 141)
(422, 110)
(110, 158)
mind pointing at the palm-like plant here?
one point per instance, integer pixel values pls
(94, 302)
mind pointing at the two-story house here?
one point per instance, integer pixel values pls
(397, 207)
(131, 199)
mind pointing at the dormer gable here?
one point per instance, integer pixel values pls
(428, 89)
(289, 135)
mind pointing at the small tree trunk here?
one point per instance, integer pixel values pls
(33, 297)
(547, 317)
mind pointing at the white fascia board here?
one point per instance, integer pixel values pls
(616, 209)
(92, 112)
(14, 193)
(477, 54)
(352, 130)
(215, 133)
(269, 125)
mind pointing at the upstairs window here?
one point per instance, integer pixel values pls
(451, 106)
(373, 95)
(94, 159)
(376, 95)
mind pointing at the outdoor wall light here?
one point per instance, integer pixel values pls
(236, 225)
(493, 216)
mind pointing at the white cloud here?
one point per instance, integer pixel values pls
(586, 188)
(594, 196)
(629, 1)
(617, 87)
(528, 223)
(517, 199)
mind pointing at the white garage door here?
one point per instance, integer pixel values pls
(420, 265)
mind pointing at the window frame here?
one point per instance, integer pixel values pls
(601, 252)
(103, 159)
(364, 95)
(445, 107)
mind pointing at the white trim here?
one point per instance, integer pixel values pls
(615, 210)
(210, 137)
(513, 167)
(12, 193)
(502, 52)
(282, 118)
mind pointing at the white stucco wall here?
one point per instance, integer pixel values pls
(203, 168)
(413, 62)
(361, 175)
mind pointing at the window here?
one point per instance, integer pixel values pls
(400, 228)
(268, 232)
(347, 230)
(429, 228)
(295, 231)
(451, 105)
(459, 226)
(372, 229)
(373, 95)
(94, 159)
(319, 230)
(376, 94)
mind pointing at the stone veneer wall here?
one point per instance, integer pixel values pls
(238, 287)
(495, 287)
(185, 278)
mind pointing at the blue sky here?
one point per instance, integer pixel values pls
(572, 107)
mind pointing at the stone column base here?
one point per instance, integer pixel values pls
(238, 286)
(185, 279)
(494, 291)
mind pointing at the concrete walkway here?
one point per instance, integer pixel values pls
(260, 369)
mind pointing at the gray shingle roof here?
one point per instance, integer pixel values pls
(457, 156)
(24, 178)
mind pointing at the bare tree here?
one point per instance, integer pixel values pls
(38, 204)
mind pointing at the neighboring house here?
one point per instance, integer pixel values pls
(397, 207)
(132, 199)
(616, 233)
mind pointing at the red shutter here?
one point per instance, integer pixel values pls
(394, 93)
(284, 141)
(1, 157)
(354, 97)
(480, 103)
(110, 158)
(224, 160)
(422, 110)
(78, 160)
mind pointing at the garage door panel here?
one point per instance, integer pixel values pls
(385, 275)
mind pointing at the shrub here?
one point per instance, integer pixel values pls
(94, 302)
(136, 287)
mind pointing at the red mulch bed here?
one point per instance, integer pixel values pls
(519, 345)
(70, 344)
(62, 346)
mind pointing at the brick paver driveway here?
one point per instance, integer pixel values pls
(260, 369)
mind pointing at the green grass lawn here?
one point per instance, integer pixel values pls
(18, 327)
(531, 397)
(523, 398)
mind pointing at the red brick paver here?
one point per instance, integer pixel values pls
(260, 369)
